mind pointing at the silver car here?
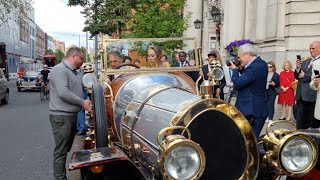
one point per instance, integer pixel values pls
(4, 89)
(29, 80)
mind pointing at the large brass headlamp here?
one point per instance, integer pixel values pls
(180, 158)
(88, 79)
(289, 152)
(216, 73)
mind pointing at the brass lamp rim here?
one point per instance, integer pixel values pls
(284, 141)
(179, 143)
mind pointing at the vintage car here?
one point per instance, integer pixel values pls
(4, 88)
(154, 123)
(29, 80)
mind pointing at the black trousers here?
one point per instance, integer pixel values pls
(305, 115)
(271, 100)
(64, 130)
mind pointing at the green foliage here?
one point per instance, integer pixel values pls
(102, 16)
(59, 55)
(85, 50)
(158, 19)
(49, 52)
(14, 9)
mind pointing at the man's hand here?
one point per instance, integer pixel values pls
(232, 65)
(218, 93)
(231, 84)
(298, 63)
(316, 80)
(301, 74)
(87, 105)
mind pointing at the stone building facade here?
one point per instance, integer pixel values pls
(281, 29)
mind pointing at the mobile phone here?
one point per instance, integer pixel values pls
(299, 57)
(316, 72)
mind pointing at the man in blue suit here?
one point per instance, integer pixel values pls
(251, 86)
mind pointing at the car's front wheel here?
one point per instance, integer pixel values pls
(99, 115)
(5, 99)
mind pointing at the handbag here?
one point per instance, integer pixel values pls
(294, 85)
(277, 90)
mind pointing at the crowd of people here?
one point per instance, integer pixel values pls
(254, 82)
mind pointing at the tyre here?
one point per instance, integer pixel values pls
(99, 115)
(5, 99)
(42, 93)
(47, 94)
(19, 89)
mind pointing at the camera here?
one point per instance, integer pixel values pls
(233, 59)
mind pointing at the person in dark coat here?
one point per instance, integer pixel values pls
(273, 82)
(252, 99)
(218, 89)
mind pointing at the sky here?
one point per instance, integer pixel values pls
(60, 21)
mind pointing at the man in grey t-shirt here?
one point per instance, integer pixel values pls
(66, 100)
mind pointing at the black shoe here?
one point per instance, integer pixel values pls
(81, 133)
(282, 118)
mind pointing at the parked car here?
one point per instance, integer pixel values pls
(29, 80)
(4, 88)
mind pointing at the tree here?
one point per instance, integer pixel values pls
(85, 50)
(59, 55)
(158, 19)
(49, 52)
(14, 9)
(106, 17)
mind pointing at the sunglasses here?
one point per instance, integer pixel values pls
(270, 66)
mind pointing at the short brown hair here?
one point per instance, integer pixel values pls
(273, 66)
(74, 50)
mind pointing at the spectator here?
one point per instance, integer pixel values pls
(272, 83)
(315, 83)
(154, 56)
(66, 100)
(286, 97)
(252, 99)
(81, 116)
(182, 60)
(114, 58)
(305, 96)
(228, 88)
(127, 60)
(137, 62)
(218, 89)
(192, 62)
(163, 62)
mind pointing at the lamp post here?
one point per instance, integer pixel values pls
(79, 38)
(198, 25)
(216, 17)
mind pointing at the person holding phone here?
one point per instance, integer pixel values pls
(305, 96)
(315, 85)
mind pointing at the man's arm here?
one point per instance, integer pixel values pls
(60, 81)
(245, 79)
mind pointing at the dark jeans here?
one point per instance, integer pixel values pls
(81, 117)
(64, 130)
(271, 100)
(305, 115)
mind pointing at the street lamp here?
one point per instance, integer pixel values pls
(197, 24)
(216, 15)
(79, 38)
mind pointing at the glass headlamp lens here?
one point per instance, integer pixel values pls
(297, 155)
(182, 163)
